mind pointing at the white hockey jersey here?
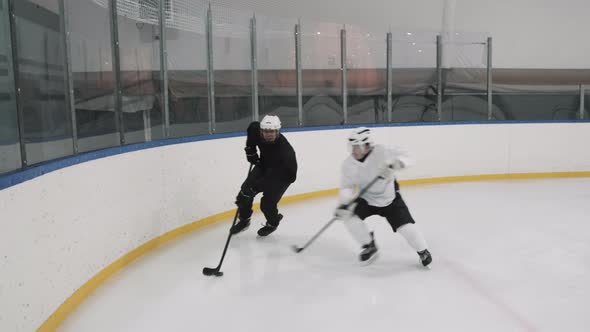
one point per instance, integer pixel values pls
(355, 175)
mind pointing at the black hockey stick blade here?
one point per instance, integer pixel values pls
(212, 272)
(297, 249)
(208, 271)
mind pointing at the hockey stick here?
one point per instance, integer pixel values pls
(208, 271)
(300, 249)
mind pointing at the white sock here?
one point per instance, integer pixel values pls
(358, 230)
(413, 235)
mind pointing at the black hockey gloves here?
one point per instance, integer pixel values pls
(252, 155)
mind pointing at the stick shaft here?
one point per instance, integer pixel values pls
(318, 233)
(230, 233)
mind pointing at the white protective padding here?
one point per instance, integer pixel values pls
(388, 171)
(358, 229)
(346, 195)
(414, 236)
(56, 236)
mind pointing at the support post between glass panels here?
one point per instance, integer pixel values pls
(68, 80)
(582, 92)
(210, 77)
(299, 72)
(15, 69)
(439, 77)
(118, 109)
(388, 75)
(254, 58)
(344, 90)
(489, 77)
(164, 68)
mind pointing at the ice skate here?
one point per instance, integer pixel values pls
(241, 226)
(425, 257)
(369, 253)
(268, 228)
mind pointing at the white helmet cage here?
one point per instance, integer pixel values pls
(270, 122)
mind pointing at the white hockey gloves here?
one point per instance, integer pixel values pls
(387, 172)
(388, 169)
(344, 212)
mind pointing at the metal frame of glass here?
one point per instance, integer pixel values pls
(164, 17)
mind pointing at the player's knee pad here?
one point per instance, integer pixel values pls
(358, 229)
(248, 192)
(344, 212)
(243, 200)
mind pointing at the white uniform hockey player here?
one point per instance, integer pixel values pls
(366, 162)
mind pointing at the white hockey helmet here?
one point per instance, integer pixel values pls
(270, 122)
(361, 136)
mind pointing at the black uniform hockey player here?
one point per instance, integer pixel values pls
(366, 162)
(273, 173)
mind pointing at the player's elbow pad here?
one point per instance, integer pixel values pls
(346, 196)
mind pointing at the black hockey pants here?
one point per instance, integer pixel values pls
(272, 190)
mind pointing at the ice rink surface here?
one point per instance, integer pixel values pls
(507, 256)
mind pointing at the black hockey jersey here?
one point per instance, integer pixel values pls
(277, 159)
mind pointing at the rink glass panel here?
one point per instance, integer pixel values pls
(92, 75)
(464, 77)
(322, 77)
(142, 104)
(413, 76)
(277, 77)
(47, 122)
(366, 81)
(232, 64)
(186, 45)
(10, 157)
